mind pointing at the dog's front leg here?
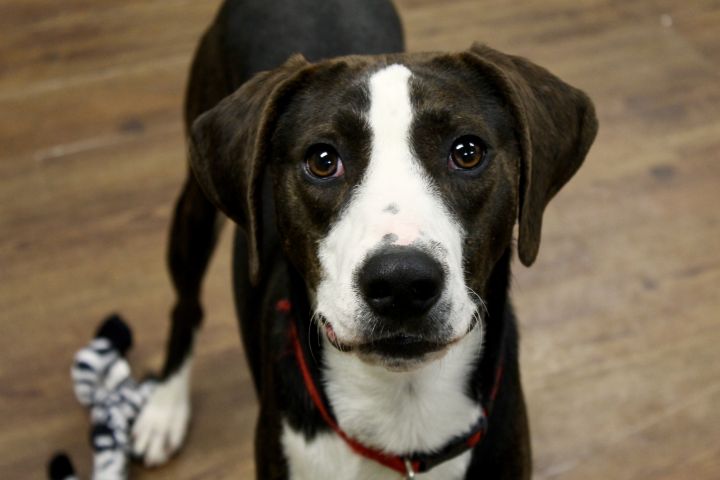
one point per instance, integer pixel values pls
(161, 426)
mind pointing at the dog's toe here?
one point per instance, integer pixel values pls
(160, 428)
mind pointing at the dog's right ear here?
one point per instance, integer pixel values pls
(229, 148)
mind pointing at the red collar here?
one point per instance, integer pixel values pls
(409, 465)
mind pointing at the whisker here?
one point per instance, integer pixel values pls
(318, 332)
(479, 304)
(310, 324)
(373, 324)
(480, 301)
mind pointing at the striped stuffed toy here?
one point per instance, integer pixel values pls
(102, 382)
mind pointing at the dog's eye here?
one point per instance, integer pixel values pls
(467, 152)
(323, 161)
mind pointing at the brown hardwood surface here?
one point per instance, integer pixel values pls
(620, 316)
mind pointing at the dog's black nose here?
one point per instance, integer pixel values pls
(401, 282)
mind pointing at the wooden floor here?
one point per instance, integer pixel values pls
(620, 316)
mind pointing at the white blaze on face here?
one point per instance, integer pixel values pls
(395, 200)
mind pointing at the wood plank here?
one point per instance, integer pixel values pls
(620, 315)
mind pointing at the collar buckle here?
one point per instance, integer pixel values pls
(410, 473)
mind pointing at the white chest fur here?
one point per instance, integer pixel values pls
(397, 412)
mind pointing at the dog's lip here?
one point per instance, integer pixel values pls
(401, 346)
(398, 346)
(332, 337)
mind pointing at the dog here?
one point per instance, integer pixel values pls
(376, 194)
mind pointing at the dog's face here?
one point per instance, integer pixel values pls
(399, 187)
(397, 183)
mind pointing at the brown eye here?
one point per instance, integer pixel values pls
(467, 152)
(323, 161)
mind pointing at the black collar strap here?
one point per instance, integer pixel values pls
(407, 465)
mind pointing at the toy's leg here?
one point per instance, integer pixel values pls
(161, 426)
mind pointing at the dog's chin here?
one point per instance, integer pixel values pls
(400, 363)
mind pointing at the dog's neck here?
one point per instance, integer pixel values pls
(404, 412)
(419, 410)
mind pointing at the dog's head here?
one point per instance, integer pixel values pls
(397, 182)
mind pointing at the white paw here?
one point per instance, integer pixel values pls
(160, 428)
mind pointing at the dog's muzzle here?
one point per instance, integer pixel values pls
(401, 288)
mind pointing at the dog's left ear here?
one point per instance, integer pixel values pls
(229, 148)
(556, 125)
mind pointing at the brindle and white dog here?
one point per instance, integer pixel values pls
(376, 194)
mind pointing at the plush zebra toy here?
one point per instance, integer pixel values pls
(102, 382)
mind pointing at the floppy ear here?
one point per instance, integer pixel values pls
(229, 148)
(556, 126)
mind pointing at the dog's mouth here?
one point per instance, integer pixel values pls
(400, 346)
(398, 351)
